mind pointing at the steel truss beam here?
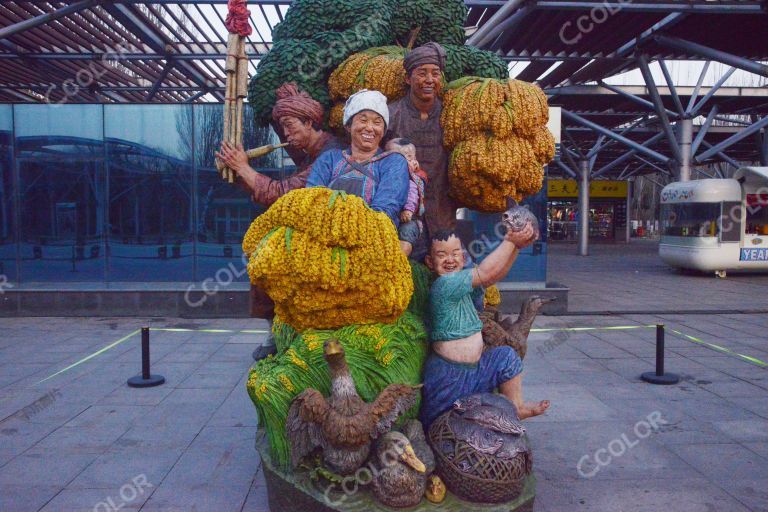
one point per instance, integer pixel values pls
(695, 94)
(640, 148)
(485, 34)
(599, 147)
(722, 155)
(642, 61)
(631, 97)
(706, 52)
(695, 110)
(125, 15)
(601, 69)
(42, 19)
(753, 6)
(733, 139)
(217, 52)
(665, 7)
(570, 172)
(703, 130)
(627, 156)
(672, 90)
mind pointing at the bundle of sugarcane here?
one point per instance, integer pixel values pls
(328, 260)
(237, 78)
(377, 354)
(253, 153)
(497, 132)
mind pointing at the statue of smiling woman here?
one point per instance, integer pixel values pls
(380, 178)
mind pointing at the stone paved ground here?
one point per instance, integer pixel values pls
(83, 440)
(632, 277)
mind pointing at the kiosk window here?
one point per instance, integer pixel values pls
(690, 219)
(757, 214)
(730, 223)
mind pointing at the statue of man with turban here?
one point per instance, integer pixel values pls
(300, 118)
(417, 117)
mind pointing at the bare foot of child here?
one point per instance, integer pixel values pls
(530, 409)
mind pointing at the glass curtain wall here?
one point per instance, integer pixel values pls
(61, 192)
(8, 247)
(130, 193)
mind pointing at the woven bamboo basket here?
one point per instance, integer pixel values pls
(474, 476)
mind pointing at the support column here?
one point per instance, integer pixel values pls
(583, 208)
(686, 139)
(628, 227)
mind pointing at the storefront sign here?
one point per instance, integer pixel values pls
(677, 194)
(600, 188)
(760, 254)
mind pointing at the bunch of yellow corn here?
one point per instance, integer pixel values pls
(492, 296)
(327, 260)
(336, 116)
(499, 140)
(379, 69)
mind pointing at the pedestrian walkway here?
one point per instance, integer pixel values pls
(619, 278)
(80, 439)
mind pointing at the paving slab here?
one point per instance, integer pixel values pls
(192, 438)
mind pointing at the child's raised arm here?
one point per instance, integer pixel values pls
(497, 264)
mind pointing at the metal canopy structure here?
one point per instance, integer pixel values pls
(121, 51)
(171, 51)
(574, 47)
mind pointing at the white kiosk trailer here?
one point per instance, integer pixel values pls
(715, 225)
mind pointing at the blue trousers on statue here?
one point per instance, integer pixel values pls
(446, 381)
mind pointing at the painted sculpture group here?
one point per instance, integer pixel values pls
(389, 352)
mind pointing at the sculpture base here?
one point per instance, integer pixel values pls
(140, 382)
(291, 491)
(663, 380)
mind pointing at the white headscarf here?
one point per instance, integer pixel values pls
(366, 100)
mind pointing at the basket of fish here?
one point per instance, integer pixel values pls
(481, 450)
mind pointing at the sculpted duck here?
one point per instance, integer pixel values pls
(436, 489)
(343, 425)
(501, 330)
(401, 478)
(414, 431)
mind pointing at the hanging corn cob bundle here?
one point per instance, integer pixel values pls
(327, 260)
(379, 69)
(499, 140)
(237, 78)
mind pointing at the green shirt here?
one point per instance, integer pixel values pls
(453, 314)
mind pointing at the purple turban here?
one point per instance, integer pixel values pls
(430, 53)
(296, 103)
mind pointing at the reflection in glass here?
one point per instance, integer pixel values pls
(224, 210)
(7, 203)
(690, 219)
(149, 205)
(61, 183)
(150, 194)
(487, 232)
